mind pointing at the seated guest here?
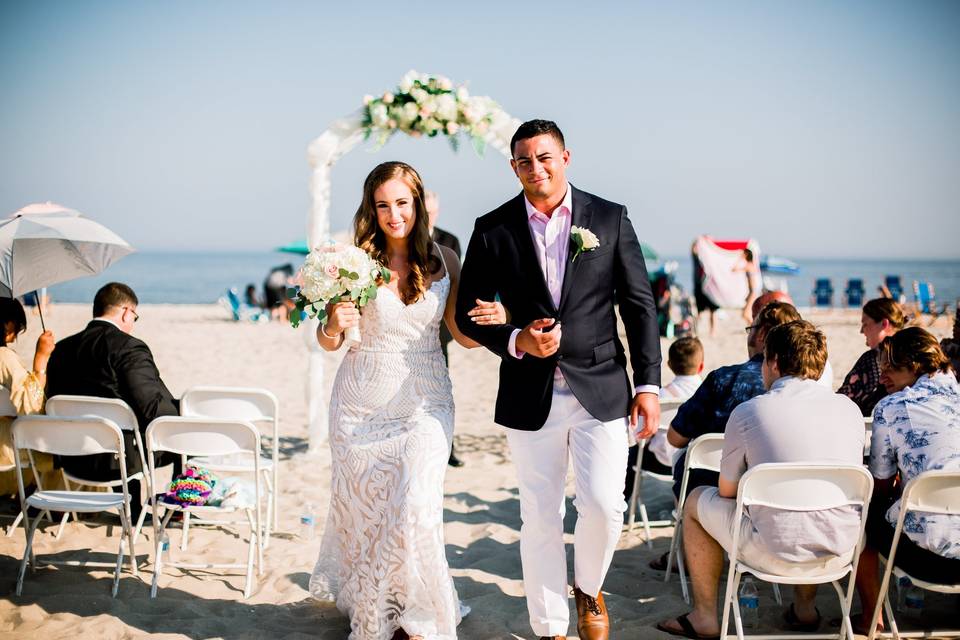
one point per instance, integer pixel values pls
(916, 428)
(723, 390)
(797, 420)
(685, 359)
(881, 317)
(104, 360)
(22, 388)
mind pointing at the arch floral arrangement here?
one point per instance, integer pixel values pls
(428, 105)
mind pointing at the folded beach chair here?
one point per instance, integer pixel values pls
(855, 292)
(895, 288)
(822, 293)
(240, 310)
(925, 296)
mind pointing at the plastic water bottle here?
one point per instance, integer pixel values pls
(307, 522)
(165, 544)
(913, 602)
(749, 603)
(903, 585)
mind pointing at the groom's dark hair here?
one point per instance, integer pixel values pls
(534, 128)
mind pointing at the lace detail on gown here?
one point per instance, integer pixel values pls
(382, 558)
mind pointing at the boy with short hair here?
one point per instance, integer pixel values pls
(685, 359)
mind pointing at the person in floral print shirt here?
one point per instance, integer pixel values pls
(916, 428)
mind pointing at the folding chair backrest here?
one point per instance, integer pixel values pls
(202, 436)
(936, 491)
(923, 292)
(118, 411)
(806, 487)
(73, 436)
(668, 410)
(855, 292)
(229, 402)
(893, 284)
(705, 452)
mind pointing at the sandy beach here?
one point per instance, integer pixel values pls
(198, 345)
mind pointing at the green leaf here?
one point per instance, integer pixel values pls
(479, 145)
(343, 273)
(355, 293)
(322, 316)
(385, 273)
(372, 293)
(353, 275)
(292, 292)
(335, 299)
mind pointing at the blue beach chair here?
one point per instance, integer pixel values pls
(855, 292)
(822, 293)
(925, 296)
(895, 288)
(240, 310)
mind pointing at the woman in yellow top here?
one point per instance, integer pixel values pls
(22, 389)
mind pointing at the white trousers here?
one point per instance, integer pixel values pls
(599, 454)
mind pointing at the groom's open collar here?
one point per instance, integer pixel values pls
(527, 254)
(582, 214)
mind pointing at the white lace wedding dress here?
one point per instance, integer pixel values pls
(391, 425)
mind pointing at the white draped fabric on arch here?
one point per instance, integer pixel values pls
(422, 105)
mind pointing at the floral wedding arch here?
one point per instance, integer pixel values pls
(422, 105)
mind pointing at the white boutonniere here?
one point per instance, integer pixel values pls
(584, 239)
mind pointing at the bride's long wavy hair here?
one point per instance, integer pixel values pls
(370, 237)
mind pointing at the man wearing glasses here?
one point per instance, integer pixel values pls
(104, 360)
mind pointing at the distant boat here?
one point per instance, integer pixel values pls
(776, 264)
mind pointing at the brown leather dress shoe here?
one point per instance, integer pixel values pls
(592, 621)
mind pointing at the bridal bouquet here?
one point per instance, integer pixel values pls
(332, 274)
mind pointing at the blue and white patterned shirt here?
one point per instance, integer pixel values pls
(915, 430)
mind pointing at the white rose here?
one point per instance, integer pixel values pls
(378, 114)
(587, 237)
(446, 107)
(462, 94)
(420, 95)
(387, 98)
(452, 128)
(406, 82)
(367, 99)
(444, 83)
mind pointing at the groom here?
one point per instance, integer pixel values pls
(559, 258)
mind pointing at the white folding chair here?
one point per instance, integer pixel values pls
(702, 453)
(205, 437)
(867, 435)
(257, 406)
(799, 487)
(937, 492)
(120, 413)
(71, 437)
(668, 409)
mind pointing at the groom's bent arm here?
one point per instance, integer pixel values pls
(637, 306)
(478, 282)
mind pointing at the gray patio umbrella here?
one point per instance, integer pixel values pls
(45, 243)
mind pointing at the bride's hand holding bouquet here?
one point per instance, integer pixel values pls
(336, 282)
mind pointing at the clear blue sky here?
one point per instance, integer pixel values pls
(819, 128)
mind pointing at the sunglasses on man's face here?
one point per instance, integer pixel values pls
(135, 315)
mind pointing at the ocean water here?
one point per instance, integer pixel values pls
(198, 278)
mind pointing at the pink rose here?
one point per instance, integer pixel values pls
(333, 271)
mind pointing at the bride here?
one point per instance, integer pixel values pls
(391, 426)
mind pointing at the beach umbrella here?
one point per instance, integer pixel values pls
(43, 244)
(299, 247)
(648, 252)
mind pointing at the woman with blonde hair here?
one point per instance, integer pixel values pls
(382, 559)
(881, 318)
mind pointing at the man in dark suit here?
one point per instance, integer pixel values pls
(442, 237)
(104, 360)
(560, 259)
